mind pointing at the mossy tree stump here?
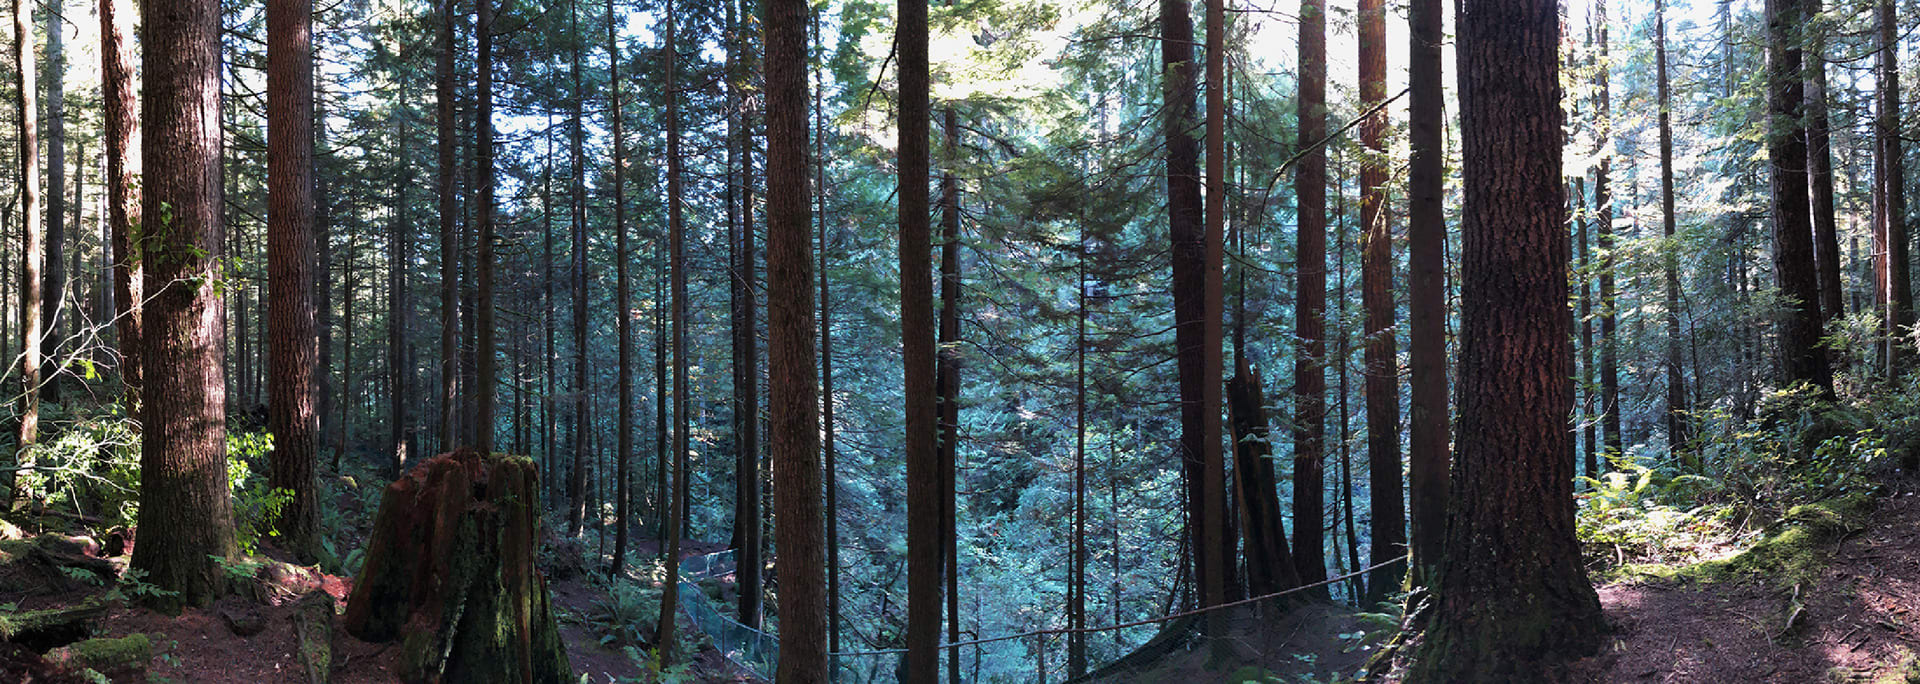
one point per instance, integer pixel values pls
(450, 572)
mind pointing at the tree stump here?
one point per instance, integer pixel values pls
(450, 571)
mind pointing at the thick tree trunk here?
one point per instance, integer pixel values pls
(291, 346)
(1428, 457)
(1802, 358)
(123, 182)
(26, 112)
(924, 510)
(1382, 385)
(793, 406)
(186, 514)
(450, 573)
(1216, 530)
(1310, 309)
(1512, 598)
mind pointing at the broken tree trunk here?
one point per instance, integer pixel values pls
(450, 571)
(1269, 562)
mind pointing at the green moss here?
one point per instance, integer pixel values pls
(106, 655)
(1906, 670)
(1791, 554)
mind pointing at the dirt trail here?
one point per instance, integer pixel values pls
(1857, 621)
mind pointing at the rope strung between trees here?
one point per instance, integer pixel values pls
(1137, 623)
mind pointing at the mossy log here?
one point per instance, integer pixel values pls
(123, 655)
(48, 626)
(313, 623)
(450, 571)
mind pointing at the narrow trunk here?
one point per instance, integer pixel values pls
(1427, 455)
(1677, 408)
(746, 357)
(54, 293)
(449, 237)
(484, 371)
(123, 183)
(577, 472)
(1895, 287)
(1826, 239)
(947, 376)
(1382, 384)
(677, 238)
(26, 112)
(624, 294)
(1602, 196)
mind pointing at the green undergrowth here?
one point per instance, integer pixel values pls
(1765, 496)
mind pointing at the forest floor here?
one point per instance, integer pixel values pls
(1857, 619)
(203, 645)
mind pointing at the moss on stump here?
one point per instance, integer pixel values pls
(450, 567)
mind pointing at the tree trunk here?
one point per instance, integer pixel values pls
(483, 316)
(1677, 406)
(1270, 564)
(450, 573)
(746, 356)
(1187, 234)
(1826, 239)
(1602, 194)
(399, 309)
(1513, 598)
(1895, 287)
(186, 515)
(123, 182)
(291, 345)
(1382, 385)
(625, 296)
(947, 378)
(1310, 310)
(1802, 358)
(924, 510)
(1215, 532)
(449, 237)
(32, 252)
(577, 473)
(54, 293)
(1428, 457)
(677, 238)
(826, 366)
(794, 426)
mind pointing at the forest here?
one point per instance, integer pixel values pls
(978, 341)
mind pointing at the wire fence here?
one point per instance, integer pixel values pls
(759, 651)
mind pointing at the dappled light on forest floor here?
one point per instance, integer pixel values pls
(1854, 621)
